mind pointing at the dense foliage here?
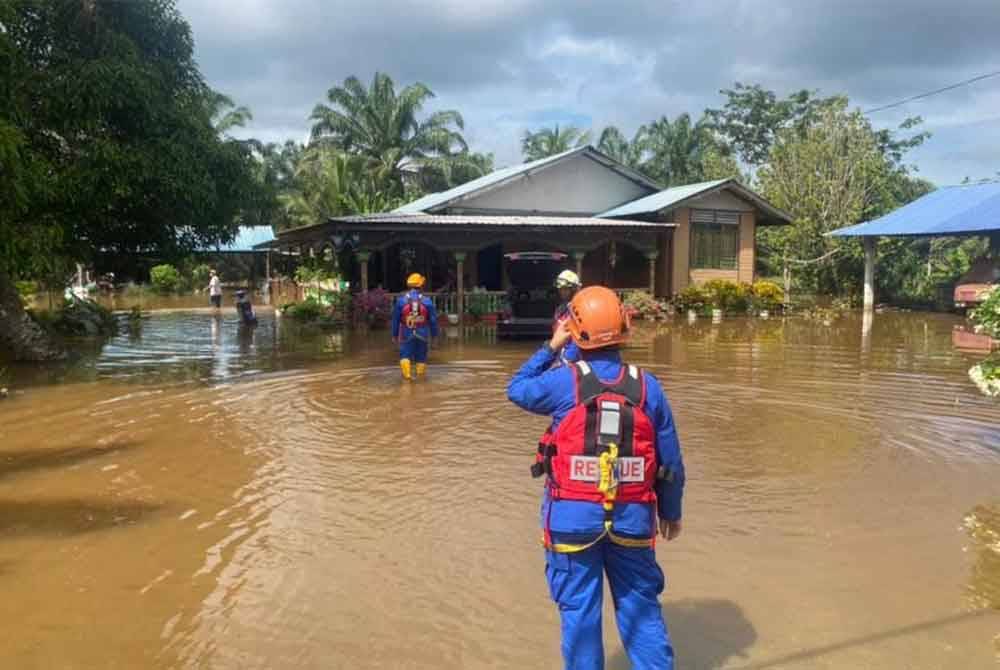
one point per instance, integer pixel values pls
(165, 278)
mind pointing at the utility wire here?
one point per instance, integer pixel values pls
(935, 92)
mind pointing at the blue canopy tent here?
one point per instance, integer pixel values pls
(972, 209)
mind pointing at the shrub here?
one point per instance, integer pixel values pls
(692, 298)
(80, 318)
(987, 315)
(372, 307)
(728, 296)
(308, 310)
(766, 295)
(986, 375)
(26, 289)
(165, 278)
(477, 304)
(645, 306)
(200, 275)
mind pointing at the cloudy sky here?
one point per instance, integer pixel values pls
(508, 65)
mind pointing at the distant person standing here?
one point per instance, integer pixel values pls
(215, 290)
(245, 309)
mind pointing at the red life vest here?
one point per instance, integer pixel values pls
(414, 313)
(606, 435)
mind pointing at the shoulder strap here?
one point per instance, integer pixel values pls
(632, 385)
(588, 385)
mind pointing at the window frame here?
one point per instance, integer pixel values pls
(717, 227)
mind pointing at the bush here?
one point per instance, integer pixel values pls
(766, 295)
(79, 318)
(728, 296)
(372, 307)
(987, 315)
(308, 310)
(26, 289)
(200, 275)
(165, 278)
(986, 375)
(692, 298)
(642, 305)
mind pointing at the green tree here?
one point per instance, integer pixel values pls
(752, 118)
(443, 173)
(551, 141)
(681, 152)
(385, 127)
(107, 144)
(614, 143)
(828, 175)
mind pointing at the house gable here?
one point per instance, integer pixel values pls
(578, 185)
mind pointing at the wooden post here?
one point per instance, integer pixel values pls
(363, 257)
(651, 256)
(578, 258)
(267, 278)
(869, 243)
(460, 284)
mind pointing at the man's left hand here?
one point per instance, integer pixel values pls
(670, 529)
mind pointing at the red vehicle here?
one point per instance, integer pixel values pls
(973, 287)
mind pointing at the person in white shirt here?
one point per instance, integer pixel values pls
(215, 290)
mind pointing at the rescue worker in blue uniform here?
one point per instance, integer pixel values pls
(567, 283)
(585, 540)
(414, 322)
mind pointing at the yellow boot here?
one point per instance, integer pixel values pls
(404, 365)
(421, 369)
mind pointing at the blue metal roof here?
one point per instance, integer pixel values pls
(245, 240)
(952, 210)
(435, 200)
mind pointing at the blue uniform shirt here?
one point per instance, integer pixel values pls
(551, 392)
(424, 332)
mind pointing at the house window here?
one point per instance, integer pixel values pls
(715, 239)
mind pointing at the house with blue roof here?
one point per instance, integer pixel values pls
(617, 226)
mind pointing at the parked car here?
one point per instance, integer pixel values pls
(532, 298)
(973, 287)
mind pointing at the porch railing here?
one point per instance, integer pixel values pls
(480, 302)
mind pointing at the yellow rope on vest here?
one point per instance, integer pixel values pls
(608, 485)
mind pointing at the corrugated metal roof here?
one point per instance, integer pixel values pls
(973, 208)
(662, 200)
(435, 200)
(679, 195)
(476, 220)
(245, 240)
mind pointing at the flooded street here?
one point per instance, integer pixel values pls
(204, 497)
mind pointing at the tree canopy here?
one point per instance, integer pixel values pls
(546, 142)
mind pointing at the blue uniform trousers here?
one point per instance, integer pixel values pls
(415, 348)
(576, 584)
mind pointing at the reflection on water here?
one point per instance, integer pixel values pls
(206, 496)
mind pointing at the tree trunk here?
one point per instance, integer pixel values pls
(19, 334)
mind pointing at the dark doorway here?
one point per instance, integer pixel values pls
(490, 262)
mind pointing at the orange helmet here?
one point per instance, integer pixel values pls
(415, 280)
(597, 318)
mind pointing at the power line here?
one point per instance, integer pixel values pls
(935, 92)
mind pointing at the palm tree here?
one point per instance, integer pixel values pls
(552, 141)
(328, 182)
(225, 113)
(383, 126)
(614, 144)
(682, 152)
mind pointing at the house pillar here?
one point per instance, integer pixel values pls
(460, 284)
(869, 243)
(578, 259)
(651, 256)
(682, 250)
(363, 257)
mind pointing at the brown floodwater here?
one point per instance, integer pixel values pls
(200, 496)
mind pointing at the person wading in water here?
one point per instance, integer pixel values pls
(414, 323)
(612, 466)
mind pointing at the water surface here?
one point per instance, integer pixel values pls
(201, 496)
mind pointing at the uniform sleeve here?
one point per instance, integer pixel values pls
(432, 317)
(669, 491)
(536, 388)
(394, 328)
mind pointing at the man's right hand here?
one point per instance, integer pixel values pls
(560, 337)
(670, 529)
